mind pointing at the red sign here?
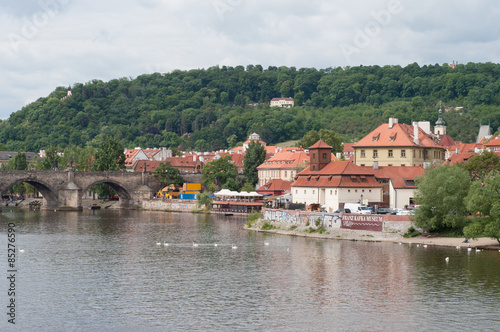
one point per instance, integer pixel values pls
(364, 222)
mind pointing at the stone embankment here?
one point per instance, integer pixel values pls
(285, 228)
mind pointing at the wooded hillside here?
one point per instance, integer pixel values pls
(214, 108)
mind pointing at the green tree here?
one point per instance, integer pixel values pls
(441, 194)
(484, 202)
(330, 137)
(231, 184)
(109, 156)
(168, 175)
(333, 139)
(254, 157)
(481, 164)
(204, 199)
(248, 187)
(309, 139)
(219, 171)
(18, 162)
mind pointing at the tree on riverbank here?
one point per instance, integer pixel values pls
(219, 172)
(168, 175)
(254, 157)
(441, 195)
(484, 201)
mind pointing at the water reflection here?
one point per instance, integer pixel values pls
(96, 270)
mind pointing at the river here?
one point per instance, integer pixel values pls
(104, 271)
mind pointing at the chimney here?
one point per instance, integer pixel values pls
(375, 165)
(392, 122)
(457, 150)
(415, 133)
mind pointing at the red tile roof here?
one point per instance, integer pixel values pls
(320, 145)
(398, 135)
(402, 177)
(459, 158)
(337, 174)
(286, 159)
(275, 187)
(493, 143)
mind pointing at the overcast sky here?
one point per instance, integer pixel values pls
(50, 43)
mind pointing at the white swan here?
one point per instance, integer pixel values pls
(195, 244)
(469, 249)
(165, 244)
(234, 247)
(267, 243)
(425, 246)
(458, 247)
(158, 243)
(447, 259)
(215, 244)
(21, 250)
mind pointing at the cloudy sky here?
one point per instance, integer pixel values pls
(50, 43)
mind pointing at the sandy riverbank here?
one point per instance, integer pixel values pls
(357, 235)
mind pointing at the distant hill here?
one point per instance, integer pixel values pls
(208, 109)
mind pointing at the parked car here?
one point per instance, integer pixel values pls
(400, 212)
(342, 211)
(358, 208)
(384, 211)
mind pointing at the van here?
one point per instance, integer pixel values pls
(357, 208)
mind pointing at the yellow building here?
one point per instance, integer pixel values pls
(395, 144)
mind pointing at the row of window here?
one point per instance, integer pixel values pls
(390, 154)
(331, 191)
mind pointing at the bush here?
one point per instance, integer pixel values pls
(252, 218)
(293, 227)
(267, 226)
(317, 222)
(411, 233)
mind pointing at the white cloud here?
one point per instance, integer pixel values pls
(60, 42)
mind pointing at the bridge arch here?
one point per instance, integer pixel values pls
(49, 195)
(120, 190)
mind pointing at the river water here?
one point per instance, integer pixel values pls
(104, 271)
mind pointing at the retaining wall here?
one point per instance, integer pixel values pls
(387, 223)
(170, 205)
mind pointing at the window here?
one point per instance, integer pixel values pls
(297, 192)
(426, 154)
(389, 154)
(304, 191)
(362, 153)
(313, 192)
(403, 153)
(375, 153)
(331, 192)
(324, 155)
(414, 153)
(403, 165)
(285, 174)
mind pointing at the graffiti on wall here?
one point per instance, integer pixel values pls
(301, 217)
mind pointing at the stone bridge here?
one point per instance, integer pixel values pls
(63, 190)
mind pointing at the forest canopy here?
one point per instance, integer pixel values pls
(210, 109)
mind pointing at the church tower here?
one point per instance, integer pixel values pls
(440, 126)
